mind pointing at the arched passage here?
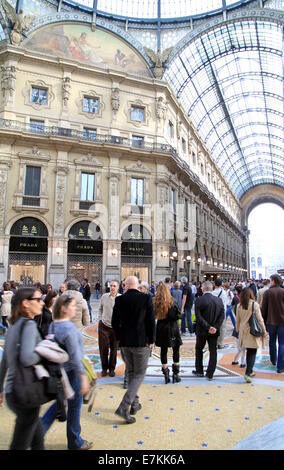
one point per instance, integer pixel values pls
(259, 195)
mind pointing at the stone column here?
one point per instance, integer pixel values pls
(113, 242)
(58, 245)
(4, 242)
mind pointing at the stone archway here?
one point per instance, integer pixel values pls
(260, 195)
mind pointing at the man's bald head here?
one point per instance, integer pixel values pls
(131, 282)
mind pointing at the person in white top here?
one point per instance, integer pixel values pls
(229, 297)
(6, 304)
(107, 339)
(219, 292)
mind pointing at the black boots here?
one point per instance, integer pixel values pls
(176, 377)
(166, 373)
(123, 412)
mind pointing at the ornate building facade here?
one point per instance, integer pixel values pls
(102, 173)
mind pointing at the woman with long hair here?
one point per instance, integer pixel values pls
(43, 321)
(26, 305)
(70, 338)
(6, 298)
(245, 308)
(167, 334)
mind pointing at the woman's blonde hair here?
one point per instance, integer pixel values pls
(163, 301)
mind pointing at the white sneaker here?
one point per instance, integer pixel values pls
(247, 379)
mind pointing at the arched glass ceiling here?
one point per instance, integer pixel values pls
(230, 81)
(151, 9)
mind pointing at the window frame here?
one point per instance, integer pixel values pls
(87, 187)
(40, 88)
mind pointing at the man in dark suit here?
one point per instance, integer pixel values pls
(210, 314)
(133, 322)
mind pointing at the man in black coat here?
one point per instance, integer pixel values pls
(210, 314)
(133, 321)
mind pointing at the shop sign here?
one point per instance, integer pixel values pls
(28, 245)
(136, 249)
(92, 247)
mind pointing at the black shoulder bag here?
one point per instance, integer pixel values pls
(28, 391)
(255, 327)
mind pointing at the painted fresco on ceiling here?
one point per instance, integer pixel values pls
(80, 43)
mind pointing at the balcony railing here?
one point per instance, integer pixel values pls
(53, 131)
(31, 201)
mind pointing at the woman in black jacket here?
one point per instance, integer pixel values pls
(167, 333)
(43, 321)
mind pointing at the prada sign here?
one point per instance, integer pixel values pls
(28, 244)
(89, 247)
(136, 249)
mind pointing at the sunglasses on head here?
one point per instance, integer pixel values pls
(67, 298)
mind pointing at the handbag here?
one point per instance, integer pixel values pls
(255, 327)
(89, 398)
(28, 391)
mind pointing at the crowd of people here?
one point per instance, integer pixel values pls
(132, 316)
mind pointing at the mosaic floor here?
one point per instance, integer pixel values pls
(195, 414)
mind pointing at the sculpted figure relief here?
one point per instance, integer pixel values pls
(18, 22)
(8, 82)
(159, 58)
(66, 90)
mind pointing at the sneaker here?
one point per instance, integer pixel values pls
(252, 374)
(103, 373)
(197, 374)
(111, 373)
(247, 379)
(134, 409)
(221, 347)
(280, 371)
(86, 445)
(242, 366)
(209, 377)
(235, 363)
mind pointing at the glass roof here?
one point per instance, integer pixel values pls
(230, 81)
(150, 9)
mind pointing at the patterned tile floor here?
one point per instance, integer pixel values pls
(194, 414)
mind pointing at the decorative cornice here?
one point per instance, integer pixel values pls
(138, 167)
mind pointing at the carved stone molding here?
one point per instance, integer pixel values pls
(138, 167)
(90, 94)
(26, 92)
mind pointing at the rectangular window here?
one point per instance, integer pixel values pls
(39, 95)
(89, 134)
(87, 187)
(137, 113)
(90, 105)
(171, 129)
(36, 125)
(32, 182)
(137, 192)
(137, 141)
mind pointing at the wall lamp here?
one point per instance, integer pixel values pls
(114, 252)
(199, 260)
(188, 258)
(175, 254)
(164, 254)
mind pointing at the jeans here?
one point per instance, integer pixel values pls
(212, 344)
(251, 355)
(90, 309)
(229, 313)
(276, 332)
(97, 294)
(186, 318)
(28, 432)
(136, 360)
(73, 415)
